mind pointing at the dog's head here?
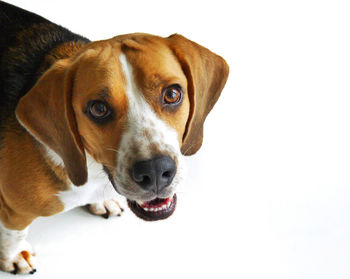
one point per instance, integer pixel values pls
(136, 104)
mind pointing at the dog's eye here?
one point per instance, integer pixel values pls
(98, 109)
(172, 94)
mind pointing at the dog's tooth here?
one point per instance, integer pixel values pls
(145, 208)
(151, 209)
(140, 202)
(164, 206)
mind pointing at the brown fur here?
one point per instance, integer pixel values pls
(28, 185)
(101, 141)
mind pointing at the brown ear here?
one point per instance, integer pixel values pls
(46, 112)
(206, 74)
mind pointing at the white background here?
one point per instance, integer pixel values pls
(268, 195)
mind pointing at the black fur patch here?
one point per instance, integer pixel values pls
(25, 39)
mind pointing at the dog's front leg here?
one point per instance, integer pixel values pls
(16, 254)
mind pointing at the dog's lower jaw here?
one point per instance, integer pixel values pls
(154, 210)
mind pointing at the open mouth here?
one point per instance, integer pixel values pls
(153, 210)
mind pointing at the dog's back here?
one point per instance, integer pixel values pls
(25, 39)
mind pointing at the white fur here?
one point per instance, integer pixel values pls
(111, 207)
(12, 243)
(53, 156)
(97, 189)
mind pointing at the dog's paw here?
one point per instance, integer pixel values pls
(21, 263)
(106, 208)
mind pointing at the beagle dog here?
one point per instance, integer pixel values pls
(81, 120)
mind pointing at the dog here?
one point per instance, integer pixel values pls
(76, 116)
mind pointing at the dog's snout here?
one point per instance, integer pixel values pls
(154, 174)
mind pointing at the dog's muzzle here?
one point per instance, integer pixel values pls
(154, 175)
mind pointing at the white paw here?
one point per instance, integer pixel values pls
(19, 263)
(106, 208)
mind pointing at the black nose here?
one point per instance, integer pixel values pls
(154, 174)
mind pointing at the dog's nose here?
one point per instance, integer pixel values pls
(154, 174)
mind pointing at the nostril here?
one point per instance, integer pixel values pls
(143, 174)
(166, 174)
(146, 180)
(166, 169)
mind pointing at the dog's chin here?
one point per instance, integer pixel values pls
(150, 209)
(153, 210)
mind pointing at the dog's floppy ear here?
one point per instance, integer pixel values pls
(46, 112)
(206, 74)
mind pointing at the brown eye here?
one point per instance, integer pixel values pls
(172, 94)
(98, 109)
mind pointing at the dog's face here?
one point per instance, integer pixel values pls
(132, 118)
(136, 103)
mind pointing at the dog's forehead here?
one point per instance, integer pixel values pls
(100, 70)
(153, 63)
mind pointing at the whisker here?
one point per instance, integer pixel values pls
(108, 165)
(112, 149)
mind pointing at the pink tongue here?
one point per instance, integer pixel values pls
(157, 202)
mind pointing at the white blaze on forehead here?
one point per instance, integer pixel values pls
(141, 116)
(137, 104)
